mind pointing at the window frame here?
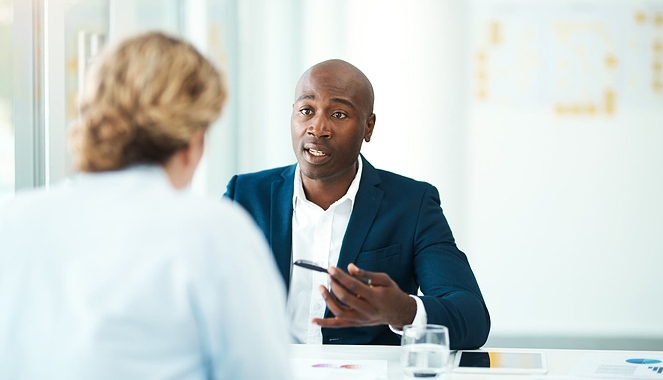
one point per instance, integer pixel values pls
(27, 115)
(39, 101)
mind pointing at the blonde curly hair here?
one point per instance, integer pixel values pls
(142, 101)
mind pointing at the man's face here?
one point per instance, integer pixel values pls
(330, 119)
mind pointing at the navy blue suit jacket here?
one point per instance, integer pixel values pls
(396, 227)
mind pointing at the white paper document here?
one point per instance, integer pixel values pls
(620, 366)
(328, 369)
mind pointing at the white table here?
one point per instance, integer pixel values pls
(560, 362)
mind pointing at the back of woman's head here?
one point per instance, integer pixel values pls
(142, 101)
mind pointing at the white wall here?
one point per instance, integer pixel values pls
(564, 209)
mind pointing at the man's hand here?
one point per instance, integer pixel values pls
(382, 302)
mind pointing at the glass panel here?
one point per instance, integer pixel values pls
(85, 33)
(6, 89)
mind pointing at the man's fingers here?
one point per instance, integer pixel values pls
(354, 303)
(352, 284)
(343, 316)
(354, 293)
(347, 297)
(348, 289)
(330, 300)
(333, 304)
(334, 322)
(377, 279)
(356, 271)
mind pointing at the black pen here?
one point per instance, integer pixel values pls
(313, 266)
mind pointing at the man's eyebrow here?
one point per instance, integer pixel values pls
(306, 96)
(343, 101)
(335, 100)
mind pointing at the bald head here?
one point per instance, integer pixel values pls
(341, 74)
(331, 118)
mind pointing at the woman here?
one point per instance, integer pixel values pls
(118, 273)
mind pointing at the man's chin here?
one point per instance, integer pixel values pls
(313, 174)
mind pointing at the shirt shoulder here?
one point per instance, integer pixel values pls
(27, 202)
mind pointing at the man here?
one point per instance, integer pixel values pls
(336, 209)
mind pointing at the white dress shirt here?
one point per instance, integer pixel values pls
(317, 235)
(117, 275)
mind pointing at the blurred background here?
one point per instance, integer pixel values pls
(540, 122)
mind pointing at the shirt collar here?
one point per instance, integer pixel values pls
(298, 192)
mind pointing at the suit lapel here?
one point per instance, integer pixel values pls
(281, 222)
(367, 203)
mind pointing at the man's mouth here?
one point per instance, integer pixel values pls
(316, 153)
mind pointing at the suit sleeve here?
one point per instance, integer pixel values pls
(451, 293)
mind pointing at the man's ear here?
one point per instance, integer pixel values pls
(370, 123)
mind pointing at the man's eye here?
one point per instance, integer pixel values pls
(339, 115)
(305, 111)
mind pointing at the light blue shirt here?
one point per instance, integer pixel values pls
(119, 276)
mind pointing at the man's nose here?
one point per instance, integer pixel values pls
(318, 128)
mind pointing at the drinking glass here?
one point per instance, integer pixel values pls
(425, 350)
